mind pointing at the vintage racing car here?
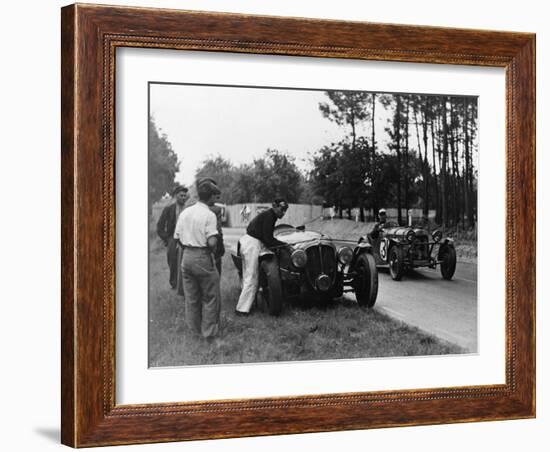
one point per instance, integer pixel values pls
(313, 266)
(402, 248)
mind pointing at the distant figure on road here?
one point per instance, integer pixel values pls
(198, 234)
(259, 235)
(165, 230)
(382, 219)
(245, 214)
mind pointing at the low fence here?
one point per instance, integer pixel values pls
(391, 214)
(239, 215)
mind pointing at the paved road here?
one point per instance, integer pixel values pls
(446, 309)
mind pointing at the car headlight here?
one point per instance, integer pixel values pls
(299, 258)
(437, 235)
(411, 235)
(345, 255)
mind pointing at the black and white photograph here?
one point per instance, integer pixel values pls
(269, 226)
(290, 224)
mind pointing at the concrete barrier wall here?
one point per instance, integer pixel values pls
(390, 212)
(416, 213)
(296, 214)
(239, 215)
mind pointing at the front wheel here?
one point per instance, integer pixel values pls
(447, 256)
(395, 260)
(365, 282)
(271, 288)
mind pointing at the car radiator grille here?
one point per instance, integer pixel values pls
(420, 248)
(320, 259)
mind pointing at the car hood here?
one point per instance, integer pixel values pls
(293, 237)
(401, 231)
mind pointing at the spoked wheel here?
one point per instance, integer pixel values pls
(447, 256)
(271, 291)
(365, 282)
(396, 263)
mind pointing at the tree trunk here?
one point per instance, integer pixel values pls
(455, 195)
(426, 165)
(467, 166)
(436, 185)
(353, 136)
(407, 157)
(473, 200)
(456, 171)
(373, 169)
(443, 171)
(423, 159)
(397, 128)
(439, 162)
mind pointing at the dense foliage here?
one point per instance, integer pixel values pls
(428, 162)
(163, 164)
(275, 174)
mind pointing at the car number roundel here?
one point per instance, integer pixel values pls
(383, 249)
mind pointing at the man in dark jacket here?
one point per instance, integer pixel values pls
(165, 230)
(259, 236)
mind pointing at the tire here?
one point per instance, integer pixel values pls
(395, 261)
(447, 256)
(272, 292)
(366, 280)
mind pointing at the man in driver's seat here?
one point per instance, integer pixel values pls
(259, 235)
(382, 219)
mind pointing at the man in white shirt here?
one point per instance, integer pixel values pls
(197, 232)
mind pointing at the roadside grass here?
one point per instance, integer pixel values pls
(465, 240)
(340, 330)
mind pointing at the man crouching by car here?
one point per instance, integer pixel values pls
(259, 235)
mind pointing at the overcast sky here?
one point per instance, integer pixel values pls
(240, 123)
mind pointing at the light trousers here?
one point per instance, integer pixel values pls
(250, 253)
(201, 284)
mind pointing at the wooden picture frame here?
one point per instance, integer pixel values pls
(90, 36)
